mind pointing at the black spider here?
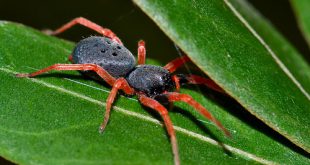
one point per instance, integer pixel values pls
(110, 60)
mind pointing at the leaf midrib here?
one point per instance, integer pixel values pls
(142, 117)
(268, 48)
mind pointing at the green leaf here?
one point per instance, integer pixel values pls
(301, 8)
(225, 46)
(281, 47)
(54, 118)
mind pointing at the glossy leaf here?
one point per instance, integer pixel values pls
(282, 48)
(301, 8)
(53, 119)
(225, 46)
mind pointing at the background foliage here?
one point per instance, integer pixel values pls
(126, 20)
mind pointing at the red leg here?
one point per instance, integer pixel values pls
(83, 67)
(83, 21)
(173, 96)
(194, 79)
(176, 63)
(70, 58)
(151, 103)
(176, 80)
(141, 52)
(120, 83)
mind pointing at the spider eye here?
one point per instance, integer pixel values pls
(114, 54)
(103, 51)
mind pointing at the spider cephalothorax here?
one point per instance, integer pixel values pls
(108, 59)
(150, 80)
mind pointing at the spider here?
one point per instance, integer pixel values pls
(106, 58)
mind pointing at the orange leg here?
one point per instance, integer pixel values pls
(194, 79)
(120, 83)
(85, 22)
(83, 67)
(70, 58)
(176, 63)
(174, 96)
(151, 103)
(176, 80)
(141, 52)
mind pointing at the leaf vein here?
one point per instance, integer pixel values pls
(150, 119)
(274, 56)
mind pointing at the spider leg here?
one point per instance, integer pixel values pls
(141, 52)
(181, 79)
(151, 103)
(70, 58)
(120, 83)
(82, 67)
(174, 96)
(176, 63)
(91, 25)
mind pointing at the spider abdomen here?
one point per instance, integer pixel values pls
(150, 80)
(116, 59)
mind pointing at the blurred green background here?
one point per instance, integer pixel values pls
(130, 23)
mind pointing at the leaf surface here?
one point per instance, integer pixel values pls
(222, 43)
(54, 118)
(301, 8)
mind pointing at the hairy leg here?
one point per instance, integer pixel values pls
(151, 103)
(120, 83)
(182, 79)
(82, 67)
(141, 52)
(176, 63)
(174, 96)
(89, 24)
